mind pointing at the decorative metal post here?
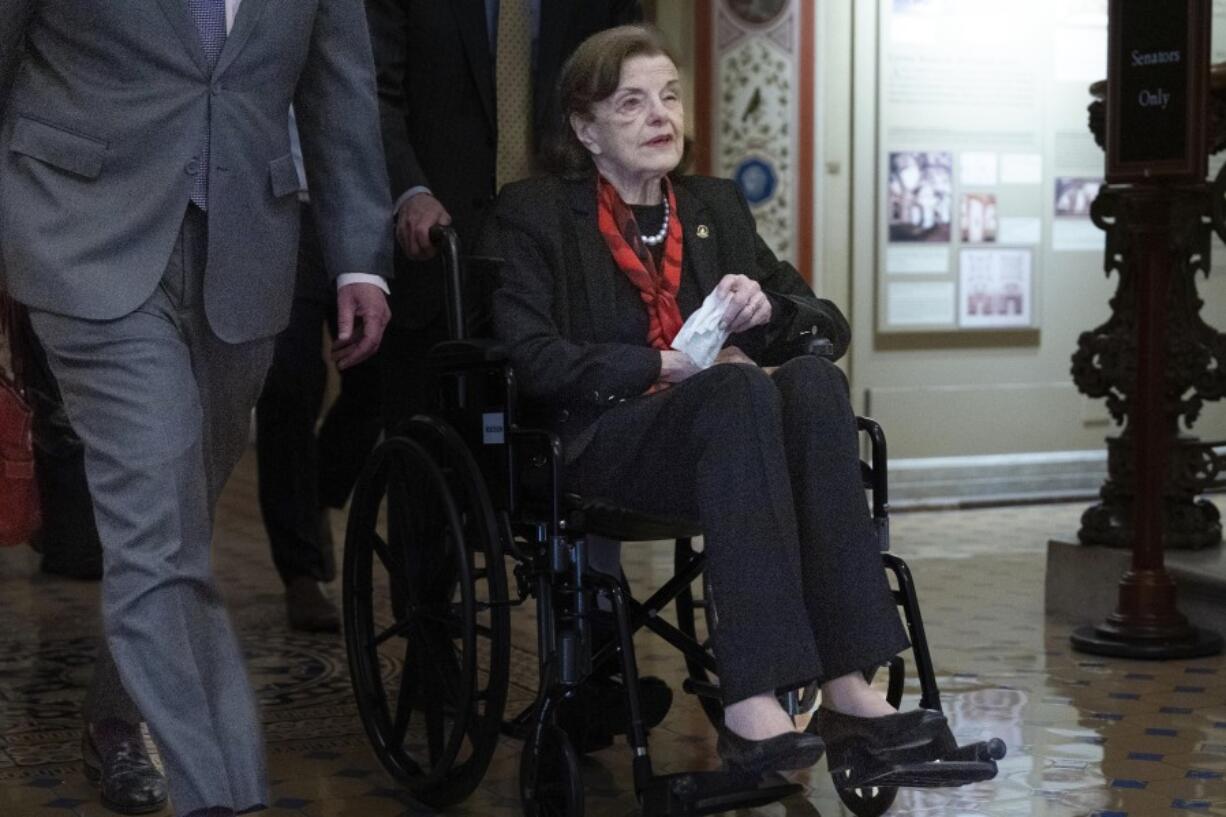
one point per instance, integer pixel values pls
(1155, 360)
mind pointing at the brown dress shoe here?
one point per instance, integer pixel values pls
(309, 610)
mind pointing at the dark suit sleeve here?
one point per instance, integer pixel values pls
(16, 15)
(389, 21)
(549, 366)
(794, 307)
(338, 119)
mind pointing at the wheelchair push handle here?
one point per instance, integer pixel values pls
(447, 240)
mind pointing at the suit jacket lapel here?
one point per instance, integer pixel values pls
(471, 21)
(596, 269)
(180, 20)
(700, 252)
(249, 12)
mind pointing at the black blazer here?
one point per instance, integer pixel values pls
(554, 305)
(438, 109)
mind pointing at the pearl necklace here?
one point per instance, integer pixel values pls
(653, 240)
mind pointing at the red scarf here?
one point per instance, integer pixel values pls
(657, 289)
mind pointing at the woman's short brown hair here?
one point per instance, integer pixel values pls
(592, 74)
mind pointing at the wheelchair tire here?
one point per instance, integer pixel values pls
(550, 783)
(427, 628)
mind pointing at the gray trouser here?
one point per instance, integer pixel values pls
(163, 406)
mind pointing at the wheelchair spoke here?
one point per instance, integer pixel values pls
(436, 659)
(400, 628)
(404, 700)
(390, 563)
(400, 525)
(434, 727)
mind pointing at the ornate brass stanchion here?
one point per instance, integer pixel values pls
(1155, 361)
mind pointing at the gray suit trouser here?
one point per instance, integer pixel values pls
(163, 407)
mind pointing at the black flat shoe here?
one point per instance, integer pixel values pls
(791, 750)
(126, 778)
(917, 736)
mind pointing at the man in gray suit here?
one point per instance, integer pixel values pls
(149, 221)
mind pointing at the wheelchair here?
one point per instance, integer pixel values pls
(454, 495)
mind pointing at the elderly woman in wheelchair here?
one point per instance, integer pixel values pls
(580, 421)
(603, 262)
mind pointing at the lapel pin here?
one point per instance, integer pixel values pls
(703, 231)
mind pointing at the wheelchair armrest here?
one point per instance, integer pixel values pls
(471, 353)
(877, 477)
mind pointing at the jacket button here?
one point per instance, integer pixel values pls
(563, 416)
(193, 167)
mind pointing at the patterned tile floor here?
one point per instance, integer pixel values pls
(1086, 736)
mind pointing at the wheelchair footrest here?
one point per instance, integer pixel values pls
(691, 794)
(961, 766)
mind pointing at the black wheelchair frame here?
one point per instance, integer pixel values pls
(424, 519)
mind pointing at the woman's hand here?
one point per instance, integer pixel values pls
(676, 366)
(748, 305)
(732, 354)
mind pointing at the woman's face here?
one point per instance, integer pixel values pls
(638, 131)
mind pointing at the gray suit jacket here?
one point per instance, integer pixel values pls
(102, 108)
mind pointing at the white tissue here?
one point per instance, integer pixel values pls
(701, 337)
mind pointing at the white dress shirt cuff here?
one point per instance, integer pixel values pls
(347, 278)
(408, 194)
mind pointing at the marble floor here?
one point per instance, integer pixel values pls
(1086, 736)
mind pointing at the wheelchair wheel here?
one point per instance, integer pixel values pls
(873, 801)
(687, 607)
(426, 624)
(550, 784)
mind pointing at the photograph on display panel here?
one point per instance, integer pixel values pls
(1074, 195)
(979, 225)
(994, 288)
(920, 196)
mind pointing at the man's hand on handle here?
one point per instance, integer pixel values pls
(414, 220)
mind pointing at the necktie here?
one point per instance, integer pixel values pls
(513, 90)
(210, 19)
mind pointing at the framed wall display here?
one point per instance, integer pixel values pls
(964, 160)
(1158, 76)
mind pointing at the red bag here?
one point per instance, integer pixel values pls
(20, 515)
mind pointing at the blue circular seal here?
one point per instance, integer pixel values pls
(757, 180)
